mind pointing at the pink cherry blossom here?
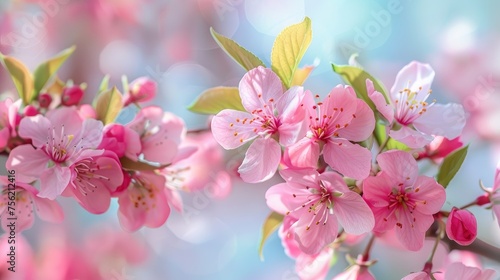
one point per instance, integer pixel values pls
(8, 121)
(415, 118)
(160, 133)
(440, 147)
(25, 201)
(58, 140)
(461, 226)
(272, 118)
(141, 90)
(319, 202)
(121, 140)
(336, 121)
(458, 270)
(402, 199)
(144, 202)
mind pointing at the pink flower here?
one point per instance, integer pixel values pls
(25, 262)
(461, 226)
(93, 181)
(141, 90)
(336, 121)
(58, 141)
(272, 118)
(440, 147)
(160, 134)
(121, 140)
(144, 203)
(458, 270)
(494, 194)
(8, 121)
(357, 271)
(23, 198)
(417, 119)
(319, 202)
(71, 95)
(402, 199)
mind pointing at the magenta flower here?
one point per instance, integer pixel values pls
(319, 202)
(26, 200)
(273, 118)
(415, 118)
(58, 141)
(402, 199)
(336, 121)
(461, 226)
(121, 140)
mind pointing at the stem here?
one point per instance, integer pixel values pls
(469, 204)
(366, 253)
(436, 242)
(382, 147)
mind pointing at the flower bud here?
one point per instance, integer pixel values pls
(141, 90)
(71, 95)
(44, 99)
(461, 226)
(30, 111)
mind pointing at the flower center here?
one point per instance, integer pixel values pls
(61, 147)
(411, 104)
(86, 175)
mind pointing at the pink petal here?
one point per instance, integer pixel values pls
(4, 137)
(159, 212)
(410, 236)
(290, 133)
(261, 161)
(376, 188)
(417, 276)
(159, 149)
(349, 159)
(53, 182)
(173, 126)
(261, 82)
(361, 126)
(341, 103)
(174, 198)
(458, 270)
(133, 141)
(313, 240)
(230, 131)
(36, 128)
(97, 201)
(67, 117)
(384, 219)
(451, 120)
(431, 192)
(23, 211)
(353, 213)
(91, 134)
(184, 153)
(413, 76)
(304, 153)
(313, 267)
(387, 110)
(410, 137)
(48, 210)
(28, 162)
(304, 176)
(280, 198)
(399, 165)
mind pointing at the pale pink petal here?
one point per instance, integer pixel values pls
(184, 153)
(417, 276)
(312, 235)
(376, 188)
(4, 137)
(349, 159)
(157, 148)
(53, 182)
(301, 176)
(90, 135)
(290, 133)
(399, 165)
(487, 274)
(304, 153)
(313, 267)
(28, 162)
(288, 104)
(159, 211)
(261, 160)
(174, 198)
(36, 128)
(133, 141)
(410, 137)
(230, 131)
(451, 120)
(408, 234)
(67, 117)
(261, 82)
(384, 220)
(173, 126)
(48, 210)
(286, 233)
(458, 270)
(429, 191)
(341, 104)
(413, 76)
(279, 198)
(387, 110)
(353, 213)
(96, 201)
(221, 187)
(361, 126)
(22, 210)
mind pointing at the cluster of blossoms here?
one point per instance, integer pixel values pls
(59, 147)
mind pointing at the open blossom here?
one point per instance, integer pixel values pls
(402, 199)
(319, 202)
(418, 121)
(26, 200)
(58, 140)
(272, 118)
(336, 121)
(461, 226)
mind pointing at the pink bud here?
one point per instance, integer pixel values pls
(461, 226)
(440, 147)
(44, 100)
(30, 111)
(71, 95)
(141, 90)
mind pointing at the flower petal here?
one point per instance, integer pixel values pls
(261, 160)
(410, 236)
(230, 131)
(415, 76)
(353, 213)
(430, 193)
(361, 126)
(444, 120)
(91, 134)
(304, 153)
(280, 198)
(410, 137)
(312, 235)
(28, 162)
(399, 165)
(313, 267)
(36, 128)
(387, 110)
(48, 210)
(257, 87)
(53, 182)
(349, 159)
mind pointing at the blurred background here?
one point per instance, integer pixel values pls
(169, 41)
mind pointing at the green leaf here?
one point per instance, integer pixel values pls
(450, 166)
(289, 48)
(108, 104)
(216, 99)
(47, 69)
(21, 76)
(104, 84)
(273, 221)
(139, 165)
(243, 57)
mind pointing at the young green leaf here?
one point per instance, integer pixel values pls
(243, 57)
(450, 166)
(21, 76)
(272, 223)
(289, 48)
(47, 69)
(108, 104)
(216, 99)
(104, 84)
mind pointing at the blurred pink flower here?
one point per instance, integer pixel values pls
(461, 226)
(59, 139)
(25, 201)
(24, 265)
(140, 90)
(402, 199)
(121, 140)
(319, 202)
(458, 270)
(439, 148)
(336, 121)
(272, 118)
(8, 121)
(357, 271)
